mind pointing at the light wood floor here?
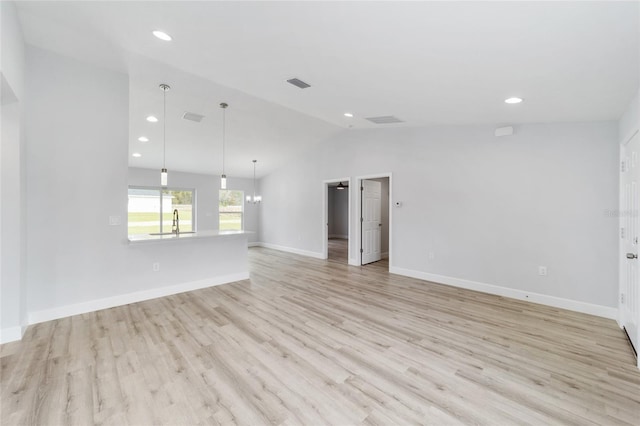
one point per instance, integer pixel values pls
(338, 250)
(312, 342)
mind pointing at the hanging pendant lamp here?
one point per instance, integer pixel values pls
(340, 186)
(163, 172)
(255, 199)
(223, 178)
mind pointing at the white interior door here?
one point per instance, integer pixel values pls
(371, 221)
(629, 234)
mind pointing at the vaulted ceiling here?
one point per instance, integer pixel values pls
(427, 63)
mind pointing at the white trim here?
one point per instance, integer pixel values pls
(11, 334)
(125, 299)
(384, 255)
(253, 244)
(556, 302)
(292, 250)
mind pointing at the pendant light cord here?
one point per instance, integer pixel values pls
(254, 180)
(224, 120)
(164, 128)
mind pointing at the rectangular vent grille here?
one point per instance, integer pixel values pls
(192, 116)
(298, 83)
(385, 119)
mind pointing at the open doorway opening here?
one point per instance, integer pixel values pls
(337, 196)
(374, 217)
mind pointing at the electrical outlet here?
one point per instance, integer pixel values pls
(156, 267)
(432, 255)
(542, 270)
(114, 220)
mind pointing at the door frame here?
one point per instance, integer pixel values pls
(621, 247)
(358, 213)
(325, 215)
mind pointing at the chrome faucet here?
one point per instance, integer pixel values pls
(176, 223)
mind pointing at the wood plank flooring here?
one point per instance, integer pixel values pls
(338, 250)
(314, 342)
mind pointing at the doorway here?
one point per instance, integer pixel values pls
(374, 217)
(336, 224)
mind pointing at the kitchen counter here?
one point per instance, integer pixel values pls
(150, 238)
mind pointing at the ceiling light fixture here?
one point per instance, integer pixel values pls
(348, 114)
(162, 35)
(340, 186)
(163, 172)
(513, 100)
(143, 139)
(152, 119)
(255, 199)
(223, 178)
(136, 155)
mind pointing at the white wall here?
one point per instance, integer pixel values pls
(630, 121)
(490, 209)
(207, 187)
(338, 210)
(77, 136)
(13, 294)
(12, 45)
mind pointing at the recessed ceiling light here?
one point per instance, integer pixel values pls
(513, 100)
(136, 155)
(348, 114)
(143, 139)
(162, 35)
(152, 119)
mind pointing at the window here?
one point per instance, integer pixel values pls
(148, 205)
(230, 207)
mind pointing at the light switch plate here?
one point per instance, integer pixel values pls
(114, 220)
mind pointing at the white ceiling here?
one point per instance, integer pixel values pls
(424, 62)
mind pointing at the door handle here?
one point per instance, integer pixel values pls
(379, 224)
(632, 256)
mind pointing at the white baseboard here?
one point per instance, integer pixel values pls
(342, 237)
(125, 299)
(556, 302)
(11, 334)
(384, 255)
(253, 244)
(292, 250)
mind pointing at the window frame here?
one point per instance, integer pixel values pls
(241, 211)
(160, 189)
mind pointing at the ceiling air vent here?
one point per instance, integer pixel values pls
(385, 119)
(298, 83)
(192, 116)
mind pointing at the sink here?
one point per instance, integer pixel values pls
(173, 233)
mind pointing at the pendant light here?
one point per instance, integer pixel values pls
(163, 172)
(340, 186)
(223, 178)
(255, 199)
